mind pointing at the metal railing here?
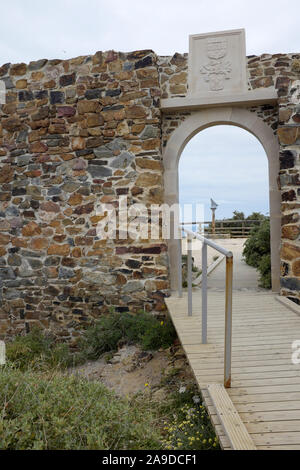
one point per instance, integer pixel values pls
(228, 293)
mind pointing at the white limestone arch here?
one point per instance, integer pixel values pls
(234, 116)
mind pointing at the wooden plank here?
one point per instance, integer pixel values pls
(209, 364)
(205, 348)
(240, 329)
(215, 319)
(266, 397)
(241, 333)
(223, 439)
(264, 349)
(284, 337)
(259, 382)
(268, 416)
(265, 389)
(262, 372)
(284, 438)
(265, 406)
(243, 358)
(273, 426)
(217, 313)
(286, 341)
(275, 447)
(268, 406)
(261, 398)
(230, 419)
(251, 369)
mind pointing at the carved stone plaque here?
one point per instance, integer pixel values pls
(217, 63)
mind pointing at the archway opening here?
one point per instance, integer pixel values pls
(190, 126)
(227, 165)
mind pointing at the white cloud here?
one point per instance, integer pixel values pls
(33, 29)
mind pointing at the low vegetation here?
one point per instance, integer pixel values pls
(54, 411)
(190, 427)
(44, 407)
(40, 351)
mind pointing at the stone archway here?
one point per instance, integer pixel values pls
(235, 116)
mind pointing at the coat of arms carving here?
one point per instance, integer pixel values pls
(217, 69)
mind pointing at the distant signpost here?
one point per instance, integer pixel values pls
(213, 208)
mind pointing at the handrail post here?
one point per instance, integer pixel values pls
(189, 275)
(228, 322)
(204, 293)
(179, 280)
(228, 299)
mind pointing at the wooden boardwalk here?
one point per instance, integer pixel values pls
(265, 383)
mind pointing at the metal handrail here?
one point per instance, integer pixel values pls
(228, 294)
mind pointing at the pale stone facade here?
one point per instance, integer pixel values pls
(76, 132)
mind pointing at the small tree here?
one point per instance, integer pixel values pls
(238, 215)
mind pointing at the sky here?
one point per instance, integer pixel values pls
(32, 29)
(227, 164)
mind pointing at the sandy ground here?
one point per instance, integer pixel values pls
(131, 370)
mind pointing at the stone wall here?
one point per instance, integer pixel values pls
(75, 133)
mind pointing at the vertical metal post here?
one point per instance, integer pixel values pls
(213, 222)
(228, 322)
(179, 287)
(204, 293)
(189, 275)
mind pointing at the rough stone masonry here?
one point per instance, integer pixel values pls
(86, 130)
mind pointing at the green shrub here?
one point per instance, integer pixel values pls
(159, 335)
(264, 268)
(258, 244)
(257, 252)
(103, 336)
(143, 329)
(52, 412)
(147, 331)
